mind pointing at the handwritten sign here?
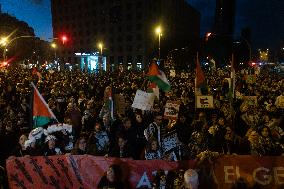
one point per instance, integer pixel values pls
(170, 141)
(204, 102)
(143, 100)
(120, 103)
(171, 110)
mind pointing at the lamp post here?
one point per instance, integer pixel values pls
(100, 45)
(159, 33)
(54, 46)
(5, 42)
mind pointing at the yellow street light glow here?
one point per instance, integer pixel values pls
(4, 41)
(53, 45)
(158, 30)
(100, 45)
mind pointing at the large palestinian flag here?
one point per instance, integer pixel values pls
(42, 114)
(158, 77)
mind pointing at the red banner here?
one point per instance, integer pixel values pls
(86, 171)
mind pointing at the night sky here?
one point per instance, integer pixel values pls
(265, 18)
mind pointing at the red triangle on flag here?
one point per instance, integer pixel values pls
(40, 107)
(153, 70)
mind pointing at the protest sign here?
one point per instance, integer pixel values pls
(120, 103)
(204, 102)
(171, 110)
(170, 141)
(143, 100)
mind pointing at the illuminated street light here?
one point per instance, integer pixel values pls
(159, 33)
(4, 41)
(53, 45)
(100, 46)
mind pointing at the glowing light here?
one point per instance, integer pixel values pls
(158, 30)
(3, 41)
(208, 34)
(53, 45)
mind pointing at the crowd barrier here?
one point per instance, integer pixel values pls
(85, 172)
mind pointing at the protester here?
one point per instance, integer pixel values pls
(250, 122)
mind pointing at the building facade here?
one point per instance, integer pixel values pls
(124, 27)
(225, 17)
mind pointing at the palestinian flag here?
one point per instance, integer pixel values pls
(153, 88)
(42, 114)
(199, 78)
(158, 77)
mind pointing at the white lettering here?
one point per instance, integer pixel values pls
(267, 178)
(144, 181)
(229, 171)
(278, 175)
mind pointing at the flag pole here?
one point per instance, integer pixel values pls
(232, 90)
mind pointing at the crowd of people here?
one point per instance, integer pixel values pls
(236, 125)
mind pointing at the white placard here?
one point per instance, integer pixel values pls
(204, 102)
(143, 100)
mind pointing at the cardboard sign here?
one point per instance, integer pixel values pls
(120, 103)
(204, 102)
(170, 141)
(143, 100)
(171, 110)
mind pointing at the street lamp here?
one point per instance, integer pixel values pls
(100, 45)
(5, 42)
(54, 46)
(159, 33)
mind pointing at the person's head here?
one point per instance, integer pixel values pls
(202, 116)
(121, 141)
(182, 118)
(98, 126)
(138, 117)
(221, 121)
(82, 143)
(127, 123)
(191, 179)
(229, 133)
(158, 119)
(50, 140)
(22, 140)
(264, 131)
(153, 144)
(9, 126)
(197, 137)
(113, 173)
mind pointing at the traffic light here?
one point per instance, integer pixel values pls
(64, 39)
